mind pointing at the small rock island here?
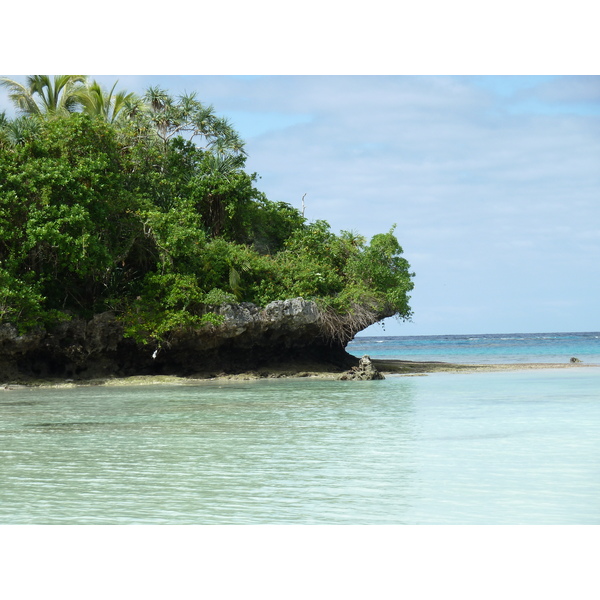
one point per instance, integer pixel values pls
(133, 242)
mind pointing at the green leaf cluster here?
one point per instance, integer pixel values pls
(126, 211)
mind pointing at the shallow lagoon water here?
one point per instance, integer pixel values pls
(518, 447)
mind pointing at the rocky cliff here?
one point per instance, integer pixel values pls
(289, 332)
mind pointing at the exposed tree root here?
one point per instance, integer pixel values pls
(340, 329)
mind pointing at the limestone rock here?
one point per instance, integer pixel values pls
(285, 331)
(365, 371)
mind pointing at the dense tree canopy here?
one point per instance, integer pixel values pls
(142, 206)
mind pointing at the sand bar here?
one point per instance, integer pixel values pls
(305, 371)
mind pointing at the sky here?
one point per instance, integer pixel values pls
(492, 182)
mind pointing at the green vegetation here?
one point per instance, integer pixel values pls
(142, 206)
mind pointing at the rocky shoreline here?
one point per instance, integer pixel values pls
(282, 334)
(399, 368)
(286, 338)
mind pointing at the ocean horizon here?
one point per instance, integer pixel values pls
(503, 348)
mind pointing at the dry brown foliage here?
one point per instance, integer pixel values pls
(340, 329)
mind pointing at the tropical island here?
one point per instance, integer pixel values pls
(133, 242)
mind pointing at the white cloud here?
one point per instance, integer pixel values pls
(576, 89)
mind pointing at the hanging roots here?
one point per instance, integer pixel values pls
(340, 329)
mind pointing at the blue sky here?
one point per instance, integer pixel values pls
(493, 182)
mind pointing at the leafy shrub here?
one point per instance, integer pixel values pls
(130, 217)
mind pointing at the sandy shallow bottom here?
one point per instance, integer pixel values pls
(387, 367)
(405, 367)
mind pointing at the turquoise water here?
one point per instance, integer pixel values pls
(519, 447)
(484, 349)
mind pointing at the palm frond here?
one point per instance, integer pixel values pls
(157, 98)
(20, 130)
(20, 96)
(41, 94)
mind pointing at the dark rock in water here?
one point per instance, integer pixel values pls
(575, 360)
(285, 332)
(365, 371)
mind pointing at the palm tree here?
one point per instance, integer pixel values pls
(189, 116)
(43, 95)
(19, 130)
(222, 165)
(97, 102)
